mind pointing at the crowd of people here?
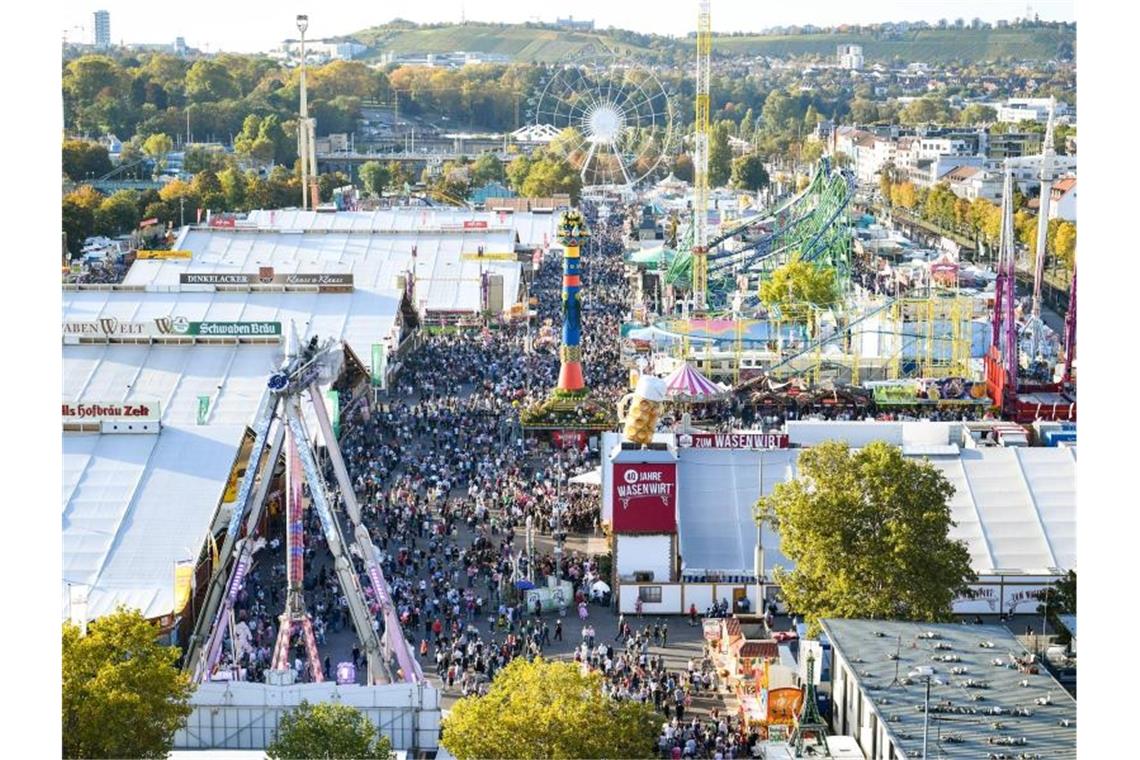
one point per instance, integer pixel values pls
(447, 480)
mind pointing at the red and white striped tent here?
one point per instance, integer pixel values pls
(687, 384)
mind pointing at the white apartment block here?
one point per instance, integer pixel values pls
(1035, 109)
(850, 57)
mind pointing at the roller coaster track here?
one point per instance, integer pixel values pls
(817, 345)
(817, 231)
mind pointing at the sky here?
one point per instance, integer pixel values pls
(257, 25)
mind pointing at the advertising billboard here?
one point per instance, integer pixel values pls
(644, 497)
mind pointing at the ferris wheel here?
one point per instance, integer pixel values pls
(613, 120)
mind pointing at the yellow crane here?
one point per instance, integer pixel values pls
(701, 161)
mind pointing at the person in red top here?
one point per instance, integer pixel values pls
(692, 614)
(437, 629)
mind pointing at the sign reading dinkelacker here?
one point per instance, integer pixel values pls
(733, 440)
(336, 280)
(645, 498)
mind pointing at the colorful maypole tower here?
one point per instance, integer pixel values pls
(572, 232)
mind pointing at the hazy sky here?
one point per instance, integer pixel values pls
(259, 25)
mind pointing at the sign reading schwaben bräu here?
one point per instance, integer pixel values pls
(174, 327)
(215, 279)
(234, 329)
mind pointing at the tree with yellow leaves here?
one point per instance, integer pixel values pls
(546, 709)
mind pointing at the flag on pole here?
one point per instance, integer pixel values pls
(334, 409)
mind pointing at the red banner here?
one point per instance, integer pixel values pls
(222, 221)
(148, 222)
(569, 439)
(474, 225)
(645, 498)
(733, 440)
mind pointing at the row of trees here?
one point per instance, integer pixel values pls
(144, 94)
(979, 219)
(86, 212)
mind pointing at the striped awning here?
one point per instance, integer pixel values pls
(689, 385)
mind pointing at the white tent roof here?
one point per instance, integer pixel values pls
(121, 535)
(531, 229)
(445, 280)
(1015, 508)
(724, 538)
(360, 318)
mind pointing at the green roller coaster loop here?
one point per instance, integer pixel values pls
(814, 223)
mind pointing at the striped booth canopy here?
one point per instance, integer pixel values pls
(687, 384)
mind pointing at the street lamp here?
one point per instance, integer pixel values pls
(925, 673)
(302, 125)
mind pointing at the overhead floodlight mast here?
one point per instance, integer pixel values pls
(925, 673)
(306, 131)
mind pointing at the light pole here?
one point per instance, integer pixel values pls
(303, 122)
(926, 673)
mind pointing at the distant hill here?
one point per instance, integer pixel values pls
(523, 43)
(929, 45)
(527, 43)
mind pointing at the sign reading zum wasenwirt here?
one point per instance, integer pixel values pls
(266, 277)
(173, 327)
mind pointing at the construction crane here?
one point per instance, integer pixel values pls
(701, 162)
(278, 417)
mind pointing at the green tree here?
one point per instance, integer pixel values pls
(122, 694)
(812, 151)
(545, 709)
(747, 125)
(83, 159)
(256, 141)
(330, 181)
(118, 214)
(200, 158)
(549, 175)
(797, 287)
(208, 81)
(720, 155)
(327, 730)
(778, 110)
(517, 172)
(748, 173)
(487, 168)
(233, 186)
(156, 147)
(977, 113)
(1065, 243)
(868, 533)
(78, 221)
(864, 111)
(927, 110)
(886, 180)
(374, 175)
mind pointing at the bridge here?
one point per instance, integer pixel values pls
(114, 185)
(356, 157)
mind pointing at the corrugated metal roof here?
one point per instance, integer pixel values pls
(899, 706)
